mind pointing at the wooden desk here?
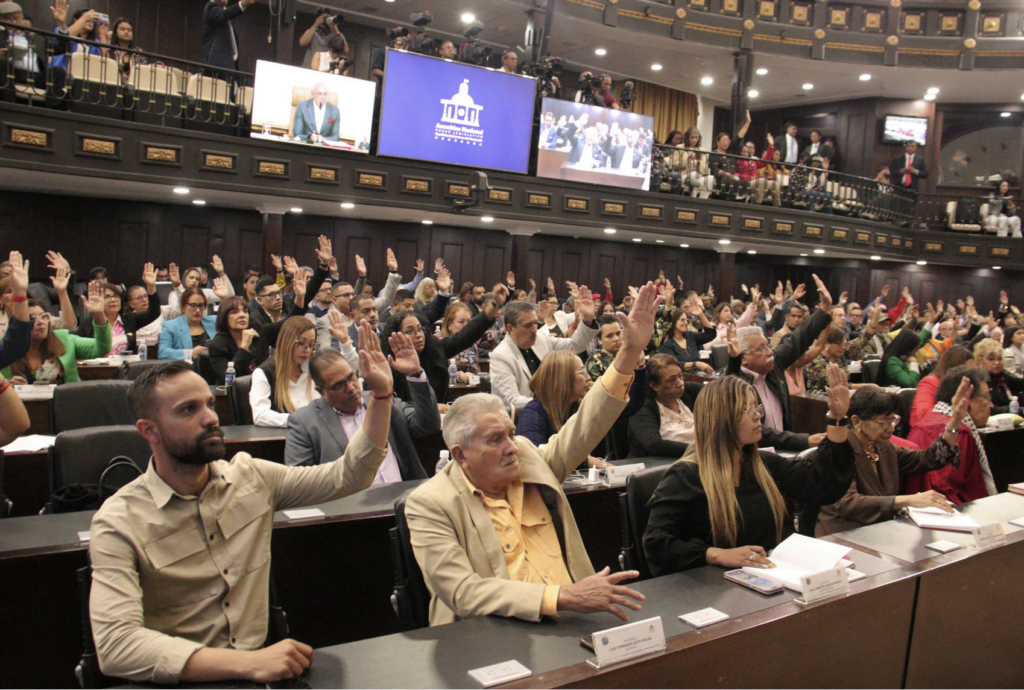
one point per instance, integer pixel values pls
(808, 411)
(97, 372)
(456, 392)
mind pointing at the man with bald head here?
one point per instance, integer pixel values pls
(316, 120)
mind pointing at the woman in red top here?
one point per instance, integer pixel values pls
(748, 166)
(924, 399)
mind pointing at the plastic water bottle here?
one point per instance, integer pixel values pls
(453, 373)
(229, 375)
(143, 350)
(1014, 405)
(442, 461)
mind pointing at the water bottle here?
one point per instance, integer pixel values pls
(471, 360)
(143, 350)
(453, 373)
(1014, 405)
(442, 461)
(229, 375)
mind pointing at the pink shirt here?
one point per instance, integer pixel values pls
(772, 405)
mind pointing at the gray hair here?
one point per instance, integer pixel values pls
(514, 312)
(321, 360)
(460, 420)
(747, 335)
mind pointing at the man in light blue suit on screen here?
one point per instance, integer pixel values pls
(316, 120)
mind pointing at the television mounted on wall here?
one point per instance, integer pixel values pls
(899, 129)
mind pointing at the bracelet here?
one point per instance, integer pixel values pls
(4, 386)
(383, 397)
(952, 431)
(19, 298)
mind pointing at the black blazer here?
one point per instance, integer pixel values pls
(131, 320)
(788, 352)
(897, 164)
(217, 35)
(694, 341)
(645, 439)
(223, 348)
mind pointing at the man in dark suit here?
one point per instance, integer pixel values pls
(908, 168)
(548, 138)
(220, 44)
(816, 148)
(628, 154)
(586, 150)
(320, 432)
(752, 359)
(316, 120)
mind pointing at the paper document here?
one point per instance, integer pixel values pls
(933, 518)
(33, 392)
(799, 556)
(30, 443)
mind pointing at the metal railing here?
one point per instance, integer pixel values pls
(704, 174)
(45, 68)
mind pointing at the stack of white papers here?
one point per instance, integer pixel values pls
(799, 556)
(30, 443)
(933, 518)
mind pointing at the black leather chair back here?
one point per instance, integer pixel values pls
(202, 365)
(129, 371)
(5, 504)
(80, 456)
(906, 396)
(410, 599)
(90, 403)
(719, 357)
(635, 512)
(238, 397)
(870, 369)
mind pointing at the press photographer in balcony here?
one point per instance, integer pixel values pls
(317, 37)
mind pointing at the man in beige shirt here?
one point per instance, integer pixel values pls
(493, 532)
(181, 555)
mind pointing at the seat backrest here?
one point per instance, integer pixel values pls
(5, 505)
(203, 365)
(640, 487)
(906, 397)
(243, 98)
(94, 68)
(88, 669)
(129, 371)
(410, 598)
(90, 403)
(155, 79)
(81, 455)
(870, 368)
(208, 89)
(238, 399)
(719, 357)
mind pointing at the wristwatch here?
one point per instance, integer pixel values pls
(844, 421)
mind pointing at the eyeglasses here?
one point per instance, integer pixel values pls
(141, 298)
(275, 293)
(887, 422)
(763, 348)
(350, 380)
(413, 331)
(306, 347)
(346, 295)
(111, 298)
(755, 412)
(196, 305)
(326, 289)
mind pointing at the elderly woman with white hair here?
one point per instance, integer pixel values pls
(483, 529)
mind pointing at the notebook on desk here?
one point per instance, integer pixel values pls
(799, 556)
(933, 518)
(1017, 488)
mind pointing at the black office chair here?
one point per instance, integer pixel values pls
(238, 398)
(5, 504)
(410, 599)
(129, 371)
(870, 369)
(634, 513)
(906, 397)
(202, 365)
(90, 403)
(719, 357)
(81, 457)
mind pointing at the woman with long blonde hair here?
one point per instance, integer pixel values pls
(722, 504)
(282, 384)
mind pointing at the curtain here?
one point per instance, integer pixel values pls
(670, 108)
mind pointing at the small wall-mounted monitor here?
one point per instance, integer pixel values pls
(899, 129)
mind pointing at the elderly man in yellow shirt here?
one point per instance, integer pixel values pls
(493, 532)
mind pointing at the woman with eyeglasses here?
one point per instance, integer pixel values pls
(722, 504)
(186, 336)
(126, 317)
(874, 496)
(664, 426)
(988, 354)
(54, 353)
(282, 384)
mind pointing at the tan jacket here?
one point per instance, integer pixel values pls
(457, 546)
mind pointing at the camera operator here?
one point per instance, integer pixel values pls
(447, 50)
(333, 60)
(589, 90)
(509, 61)
(316, 37)
(399, 40)
(610, 101)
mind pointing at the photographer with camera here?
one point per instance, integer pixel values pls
(319, 34)
(333, 60)
(605, 92)
(447, 50)
(399, 41)
(589, 91)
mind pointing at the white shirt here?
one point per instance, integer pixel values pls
(388, 472)
(677, 426)
(27, 61)
(627, 159)
(792, 150)
(318, 114)
(259, 398)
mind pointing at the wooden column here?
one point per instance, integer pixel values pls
(520, 264)
(271, 240)
(726, 270)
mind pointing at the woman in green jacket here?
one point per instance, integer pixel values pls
(53, 354)
(893, 370)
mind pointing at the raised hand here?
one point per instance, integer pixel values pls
(510, 279)
(500, 295)
(961, 402)
(732, 340)
(220, 287)
(638, 325)
(56, 260)
(60, 281)
(174, 274)
(779, 296)
(799, 292)
(438, 264)
(907, 296)
(770, 139)
(419, 265)
(248, 335)
(59, 8)
(19, 275)
(392, 261)
(533, 284)
(360, 266)
(838, 392)
(746, 290)
(885, 291)
(444, 280)
(373, 366)
(93, 303)
(276, 260)
(338, 326)
(291, 266)
(149, 278)
(755, 294)
(217, 265)
(299, 286)
(403, 359)
(573, 288)
(824, 298)
(970, 301)
(679, 280)
(844, 298)
(324, 251)
(585, 303)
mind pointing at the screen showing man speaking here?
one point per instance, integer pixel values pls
(307, 107)
(448, 112)
(586, 143)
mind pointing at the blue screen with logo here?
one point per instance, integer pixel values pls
(448, 112)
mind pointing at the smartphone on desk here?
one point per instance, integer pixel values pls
(758, 584)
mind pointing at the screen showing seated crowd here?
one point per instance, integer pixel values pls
(308, 107)
(898, 129)
(587, 143)
(449, 112)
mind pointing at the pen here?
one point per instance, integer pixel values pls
(769, 564)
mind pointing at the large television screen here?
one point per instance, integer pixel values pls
(587, 143)
(307, 107)
(449, 112)
(898, 129)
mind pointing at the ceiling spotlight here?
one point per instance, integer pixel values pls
(724, 241)
(922, 263)
(808, 87)
(296, 209)
(707, 81)
(753, 93)
(427, 222)
(198, 202)
(934, 89)
(659, 241)
(929, 96)
(751, 251)
(685, 246)
(761, 71)
(865, 77)
(803, 255)
(656, 67)
(1004, 114)
(609, 231)
(600, 51)
(181, 190)
(486, 219)
(997, 268)
(1022, 96)
(468, 17)
(819, 251)
(637, 239)
(347, 204)
(876, 257)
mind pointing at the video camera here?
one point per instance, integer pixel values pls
(340, 65)
(472, 52)
(587, 84)
(332, 20)
(417, 41)
(545, 70)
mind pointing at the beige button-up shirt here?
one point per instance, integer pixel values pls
(173, 574)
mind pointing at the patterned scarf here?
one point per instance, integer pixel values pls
(986, 471)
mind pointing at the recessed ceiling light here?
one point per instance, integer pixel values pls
(751, 251)
(724, 241)
(1022, 96)
(922, 263)
(637, 239)
(865, 77)
(707, 81)
(803, 255)
(819, 251)
(929, 96)
(808, 87)
(600, 51)
(296, 209)
(997, 268)
(659, 241)
(934, 89)
(685, 246)
(753, 93)
(876, 257)
(656, 67)
(468, 17)
(347, 204)
(427, 222)
(199, 202)
(1004, 114)
(761, 71)
(181, 190)
(486, 219)
(609, 231)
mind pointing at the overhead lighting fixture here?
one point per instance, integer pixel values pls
(751, 251)
(427, 222)
(876, 257)
(724, 241)
(803, 255)
(922, 263)
(929, 96)
(656, 67)
(865, 77)
(181, 190)
(347, 204)
(295, 209)
(468, 17)
(707, 81)
(199, 202)
(1004, 114)
(761, 71)
(819, 251)
(934, 89)
(1022, 96)
(685, 246)
(486, 219)
(659, 241)
(753, 93)
(610, 231)
(997, 268)
(808, 86)
(637, 239)
(600, 51)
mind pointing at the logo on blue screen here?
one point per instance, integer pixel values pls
(460, 120)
